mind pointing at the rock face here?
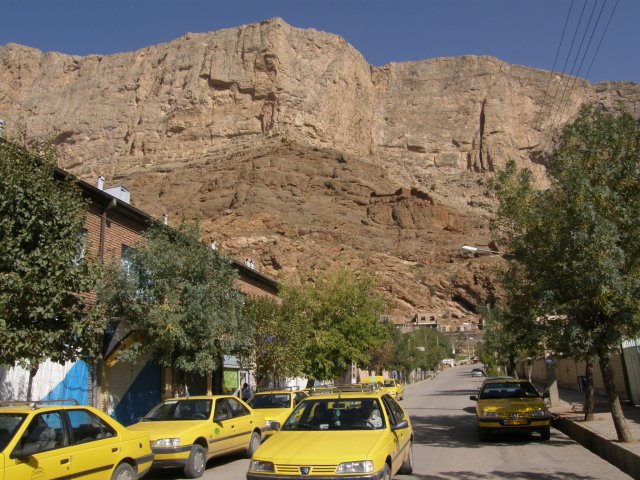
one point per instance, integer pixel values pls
(292, 150)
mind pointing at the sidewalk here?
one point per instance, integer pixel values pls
(599, 435)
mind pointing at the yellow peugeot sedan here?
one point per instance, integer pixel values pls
(511, 405)
(343, 434)
(187, 431)
(394, 388)
(276, 405)
(48, 440)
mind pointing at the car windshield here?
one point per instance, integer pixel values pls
(9, 423)
(508, 390)
(389, 383)
(270, 400)
(180, 410)
(336, 414)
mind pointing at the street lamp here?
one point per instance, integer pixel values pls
(470, 249)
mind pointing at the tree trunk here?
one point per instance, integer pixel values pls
(32, 373)
(218, 378)
(589, 395)
(512, 367)
(619, 421)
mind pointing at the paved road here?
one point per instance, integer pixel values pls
(446, 445)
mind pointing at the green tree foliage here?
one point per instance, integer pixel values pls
(179, 298)
(42, 315)
(279, 339)
(423, 348)
(343, 311)
(578, 241)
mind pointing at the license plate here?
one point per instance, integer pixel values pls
(515, 422)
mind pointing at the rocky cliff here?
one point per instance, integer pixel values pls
(293, 151)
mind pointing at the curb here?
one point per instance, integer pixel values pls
(615, 453)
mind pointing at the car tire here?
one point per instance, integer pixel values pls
(254, 443)
(124, 471)
(482, 435)
(545, 434)
(407, 466)
(196, 462)
(386, 472)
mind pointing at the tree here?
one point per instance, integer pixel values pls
(578, 240)
(279, 339)
(343, 311)
(179, 299)
(42, 274)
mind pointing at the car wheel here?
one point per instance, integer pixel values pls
(407, 465)
(546, 434)
(386, 472)
(196, 462)
(482, 435)
(254, 443)
(124, 471)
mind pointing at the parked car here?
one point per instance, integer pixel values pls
(275, 404)
(346, 433)
(394, 388)
(187, 431)
(49, 440)
(508, 405)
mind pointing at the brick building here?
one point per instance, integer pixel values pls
(112, 228)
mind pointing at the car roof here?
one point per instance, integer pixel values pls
(505, 380)
(26, 407)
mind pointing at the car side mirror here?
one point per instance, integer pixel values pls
(400, 425)
(26, 451)
(473, 397)
(275, 426)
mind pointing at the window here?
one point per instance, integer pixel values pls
(82, 241)
(126, 258)
(87, 427)
(237, 409)
(45, 432)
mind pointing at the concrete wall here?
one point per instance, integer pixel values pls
(568, 370)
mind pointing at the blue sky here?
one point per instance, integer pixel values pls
(523, 32)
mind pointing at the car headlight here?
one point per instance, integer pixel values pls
(364, 466)
(539, 413)
(260, 466)
(488, 414)
(167, 442)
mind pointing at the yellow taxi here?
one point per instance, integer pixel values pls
(511, 405)
(394, 388)
(186, 431)
(49, 440)
(344, 433)
(275, 404)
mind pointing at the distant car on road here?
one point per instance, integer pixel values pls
(509, 405)
(394, 388)
(477, 372)
(276, 405)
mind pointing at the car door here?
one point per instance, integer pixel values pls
(401, 436)
(222, 440)
(41, 451)
(242, 423)
(95, 446)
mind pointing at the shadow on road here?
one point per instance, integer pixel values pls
(454, 431)
(466, 475)
(178, 474)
